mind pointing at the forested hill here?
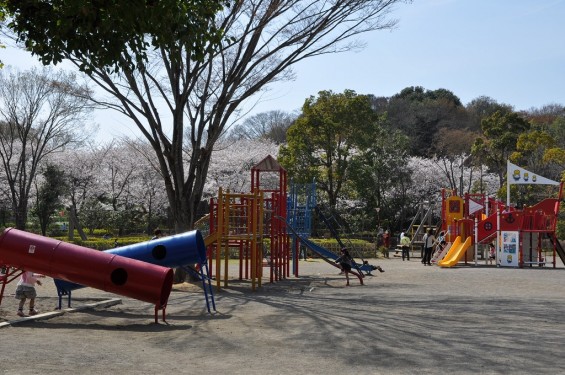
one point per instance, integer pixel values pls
(438, 123)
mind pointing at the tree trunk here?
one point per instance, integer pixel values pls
(20, 218)
(74, 223)
(43, 225)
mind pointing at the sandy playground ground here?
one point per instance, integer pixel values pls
(412, 319)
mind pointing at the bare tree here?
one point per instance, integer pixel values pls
(41, 112)
(184, 105)
(270, 125)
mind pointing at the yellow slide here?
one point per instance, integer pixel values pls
(210, 239)
(455, 253)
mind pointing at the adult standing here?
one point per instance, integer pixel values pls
(429, 241)
(405, 244)
(386, 242)
(423, 248)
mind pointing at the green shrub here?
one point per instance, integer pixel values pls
(358, 248)
(105, 243)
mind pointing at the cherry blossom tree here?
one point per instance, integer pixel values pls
(113, 186)
(146, 193)
(230, 167)
(84, 183)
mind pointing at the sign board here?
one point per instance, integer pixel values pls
(508, 251)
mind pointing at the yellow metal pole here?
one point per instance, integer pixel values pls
(220, 239)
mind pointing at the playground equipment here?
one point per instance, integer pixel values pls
(254, 226)
(301, 202)
(324, 254)
(455, 252)
(240, 222)
(132, 278)
(440, 254)
(178, 251)
(301, 205)
(360, 267)
(420, 224)
(475, 219)
(236, 222)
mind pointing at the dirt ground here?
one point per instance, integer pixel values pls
(412, 319)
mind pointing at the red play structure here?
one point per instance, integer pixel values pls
(521, 236)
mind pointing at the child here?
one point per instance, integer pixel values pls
(26, 289)
(157, 234)
(491, 253)
(345, 262)
(439, 242)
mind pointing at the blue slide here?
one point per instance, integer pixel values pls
(329, 256)
(325, 253)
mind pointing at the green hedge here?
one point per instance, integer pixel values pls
(360, 248)
(105, 244)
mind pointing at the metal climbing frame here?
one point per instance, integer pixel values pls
(236, 224)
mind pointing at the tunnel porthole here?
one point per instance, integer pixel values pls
(119, 276)
(159, 252)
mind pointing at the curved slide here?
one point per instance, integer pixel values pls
(455, 253)
(109, 272)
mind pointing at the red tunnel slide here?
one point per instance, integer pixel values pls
(112, 273)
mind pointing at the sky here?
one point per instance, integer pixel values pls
(510, 50)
